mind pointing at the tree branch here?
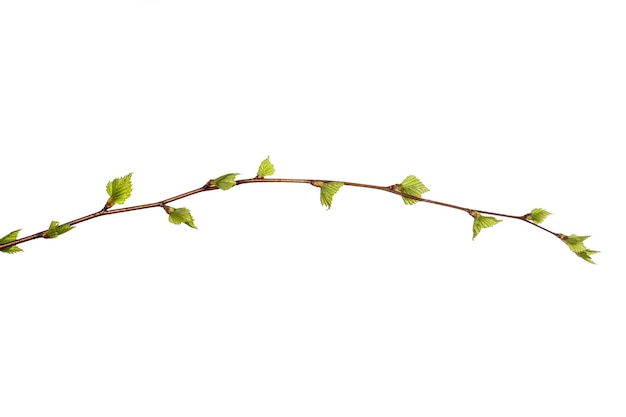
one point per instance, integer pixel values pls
(410, 190)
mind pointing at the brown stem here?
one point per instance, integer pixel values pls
(389, 189)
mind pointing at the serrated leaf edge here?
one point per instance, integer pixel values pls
(327, 192)
(266, 168)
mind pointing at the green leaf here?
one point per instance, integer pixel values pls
(586, 255)
(10, 238)
(119, 190)
(180, 215)
(265, 169)
(225, 182)
(482, 222)
(56, 229)
(411, 186)
(327, 191)
(11, 249)
(577, 245)
(537, 215)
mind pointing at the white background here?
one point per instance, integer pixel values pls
(275, 306)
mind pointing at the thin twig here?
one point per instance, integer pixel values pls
(208, 187)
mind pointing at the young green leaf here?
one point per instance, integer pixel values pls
(265, 169)
(537, 215)
(119, 190)
(327, 191)
(56, 229)
(577, 245)
(411, 186)
(180, 215)
(10, 238)
(225, 182)
(482, 222)
(586, 255)
(575, 242)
